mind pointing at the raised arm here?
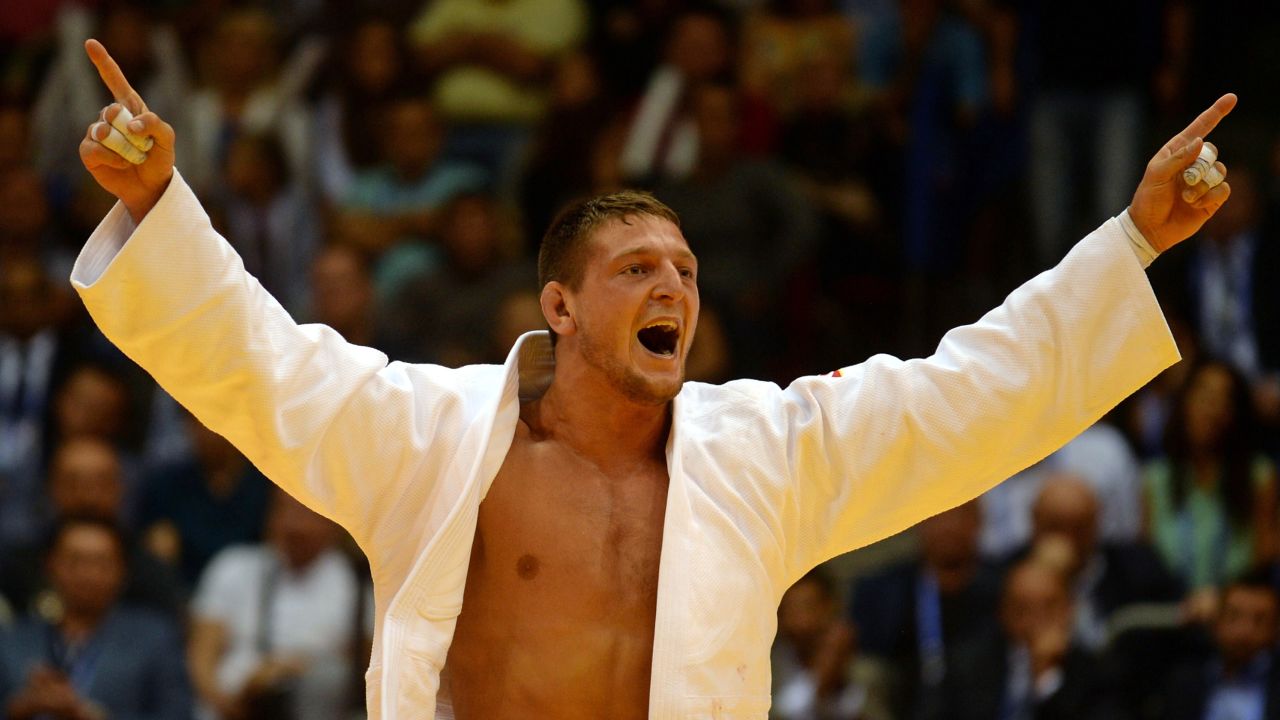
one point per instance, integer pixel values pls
(356, 439)
(882, 445)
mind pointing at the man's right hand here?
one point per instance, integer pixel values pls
(139, 187)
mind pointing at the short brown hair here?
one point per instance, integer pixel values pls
(561, 256)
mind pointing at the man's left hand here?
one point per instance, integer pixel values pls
(1164, 209)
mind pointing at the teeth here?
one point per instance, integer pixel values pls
(666, 324)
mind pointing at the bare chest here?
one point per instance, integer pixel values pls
(561, 593)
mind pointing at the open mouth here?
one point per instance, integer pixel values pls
(660, 337)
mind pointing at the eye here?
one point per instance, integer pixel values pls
(633, 270)
(686, 273)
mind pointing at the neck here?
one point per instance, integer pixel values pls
(597, 421)
(954, 577)
(78, 625)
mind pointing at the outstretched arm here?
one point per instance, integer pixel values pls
(357, 440)
(888, 443)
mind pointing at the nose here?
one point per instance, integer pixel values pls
(668, 285)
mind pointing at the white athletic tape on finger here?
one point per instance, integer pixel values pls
(116, 142)
(121, 123)
(1214, 177)
(1202, 165)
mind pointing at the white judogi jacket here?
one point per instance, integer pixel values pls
(766, 482)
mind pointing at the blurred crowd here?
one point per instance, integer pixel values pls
(856, 176)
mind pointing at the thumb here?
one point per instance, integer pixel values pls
(1169, 168)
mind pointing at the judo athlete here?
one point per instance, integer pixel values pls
(579, 533)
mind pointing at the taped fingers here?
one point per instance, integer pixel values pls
(94, 154)
(1212, 178)
(1214, 198)
(124, 122)
(116, 142)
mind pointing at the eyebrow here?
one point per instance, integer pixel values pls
(642, 250)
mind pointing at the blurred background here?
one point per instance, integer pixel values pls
(856, 176)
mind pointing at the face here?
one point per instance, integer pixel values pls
(634, 317)
(951, 538)
(374, 63)
(342, 293)
(1208, 406)
(412, 138)
(1247, 624)
(299, 534)
(87, 569)
(1068, 509)
(91, 403)
(1035, 598)
(805, 611)
(84, 477)
(699, 47)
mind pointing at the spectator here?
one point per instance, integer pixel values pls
(1029, 669)
(16, 148)
(813, 657)
(1088, 113)
(194, 508)
(735, 210)
(85, 481)
(274, 623)
(342, 295)
(490, 60)
(98, 657)
(1211, 501)
(245, 92)
(1103, 577)
(34, 356)
(449, 313)
(914, 615)
(1241, 678)
(269, 217)
(370, 66)
(784, 38)
(1223, 286)
(661, 142)
(397, 202)
(1101, 456)
(558, 170)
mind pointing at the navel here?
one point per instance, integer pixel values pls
(527, 567)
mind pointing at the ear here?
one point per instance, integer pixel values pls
(557, 308)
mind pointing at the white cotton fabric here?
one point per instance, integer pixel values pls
(766, 482)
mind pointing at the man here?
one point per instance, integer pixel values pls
(273, 623)
(1029, 669)
(1103, 577)
(1241, 678)
(85, 480)
(636, 531)
(94, 657)
(813, 658)
(914, 614)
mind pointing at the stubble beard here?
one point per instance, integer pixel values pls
(636, 387)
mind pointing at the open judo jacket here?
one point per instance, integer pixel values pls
(766, 482)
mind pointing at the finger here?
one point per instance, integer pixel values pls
(1213, 199)
(1163, 169)
(123, 121)
(1214, 177)
(148, 125)
(113, 77)
(114, 140)
(94, 154)
(1209, 119)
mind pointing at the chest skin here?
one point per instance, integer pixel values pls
(558, 612)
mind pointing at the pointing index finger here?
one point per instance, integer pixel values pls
(113, 77)
(1208, 120)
